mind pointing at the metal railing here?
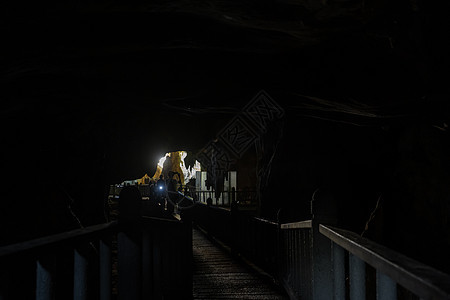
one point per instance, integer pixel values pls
(243, 197)
(256, 238)
(295, 259)
(46, 252)
(225, 199)
(136, 257)
(312, 260)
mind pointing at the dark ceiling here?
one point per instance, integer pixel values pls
(113, 64)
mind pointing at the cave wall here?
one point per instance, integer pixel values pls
(403, 166)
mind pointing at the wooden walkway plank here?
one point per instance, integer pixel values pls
(217, 275)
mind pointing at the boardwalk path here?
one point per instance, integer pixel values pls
(218, 276)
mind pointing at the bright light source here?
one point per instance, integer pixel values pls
(162, 160)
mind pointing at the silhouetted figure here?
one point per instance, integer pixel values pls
(234, 202)
(160, 190)
(171, 183)
(172, 191)
(153, 206)
(161, 183)
(190, 189)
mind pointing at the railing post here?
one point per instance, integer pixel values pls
(323, 211)
(129, 245)
(279, 267)
(105, 268)
(147, 267)
(157, 265)
(386, 287)
(233, 197)
(235, 234)
(80, 275)
(357, 278)
(338, 272)
(45, 269)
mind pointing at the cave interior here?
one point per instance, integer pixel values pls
(95, 92)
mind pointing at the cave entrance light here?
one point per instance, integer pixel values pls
(174, 161)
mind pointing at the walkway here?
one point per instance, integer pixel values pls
(219, 276)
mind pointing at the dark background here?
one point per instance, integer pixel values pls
(94, 93)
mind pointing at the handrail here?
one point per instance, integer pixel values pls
(135, 248)
(226, 197)
(297, 225)
(265, 221)
(220, 208)
(419, 278)
(148, 220)
(59, 239)
(316, 261)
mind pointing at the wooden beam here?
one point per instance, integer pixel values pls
(297, 225)
(423, 280)
(72, 237)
